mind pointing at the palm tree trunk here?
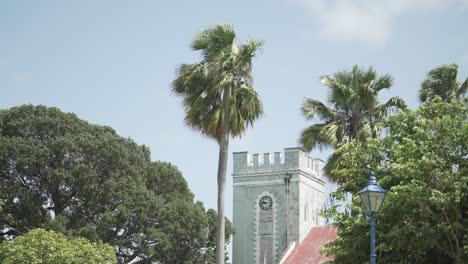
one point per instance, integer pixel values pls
(222, 167)
(354, 126)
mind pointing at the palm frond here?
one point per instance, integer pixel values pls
(189, 77)
(461, 91)
(424, 93)
(333, 163)
(215, 41)
(321, 136)
(249, 49)
(339, 90)
(368, 130)
(364, 77)
(383, 82)
(247, 107)
(313, 108)
(440, 82)
(390, 107)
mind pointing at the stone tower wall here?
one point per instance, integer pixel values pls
(295, 183)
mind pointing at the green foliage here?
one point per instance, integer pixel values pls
(442, 82)
(59, 172)
(222, 79)
(219, 99)
(39, 246)
(423, 164)
(209, 257)
(354, 113)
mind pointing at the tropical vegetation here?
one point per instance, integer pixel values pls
(219, 99)
(39, 246)
(423, 164)
(442, 82)
(353, 112)
(58, 172)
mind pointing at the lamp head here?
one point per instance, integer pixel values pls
(372, 195)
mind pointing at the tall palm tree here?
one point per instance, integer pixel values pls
(442, 82)
(353, 112)
(219, 99)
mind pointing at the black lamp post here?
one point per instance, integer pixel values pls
(372, 197)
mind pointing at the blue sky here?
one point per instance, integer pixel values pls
(112, 62)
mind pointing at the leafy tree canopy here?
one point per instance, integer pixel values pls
(39, 246)
(59, 172)
(423, 164)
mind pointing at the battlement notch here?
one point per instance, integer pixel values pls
(291, 159)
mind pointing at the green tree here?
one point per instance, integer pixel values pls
(423, 164)
(353, 114)
(442, 82)
(39, 246)
(210, 248)
(218, 98)
(59, 172)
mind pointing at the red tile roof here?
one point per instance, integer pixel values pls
(308, 252)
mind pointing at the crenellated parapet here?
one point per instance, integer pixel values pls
(293, 159)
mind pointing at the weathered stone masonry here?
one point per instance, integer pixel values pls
(294, 183)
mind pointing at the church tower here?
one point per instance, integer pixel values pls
(276, 202)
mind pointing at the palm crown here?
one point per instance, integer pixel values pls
(222, 77)
(442, 82)
(353, 112)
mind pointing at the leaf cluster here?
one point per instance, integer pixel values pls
(423, 164)
(40, 246)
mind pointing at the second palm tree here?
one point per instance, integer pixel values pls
(353, 114)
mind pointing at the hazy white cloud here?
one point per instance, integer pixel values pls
(368, 21)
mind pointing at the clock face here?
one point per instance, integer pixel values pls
(266, 202)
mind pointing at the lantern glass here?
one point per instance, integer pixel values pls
(365, 200)
(372, 200)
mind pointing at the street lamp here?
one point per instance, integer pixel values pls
(372, 197)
